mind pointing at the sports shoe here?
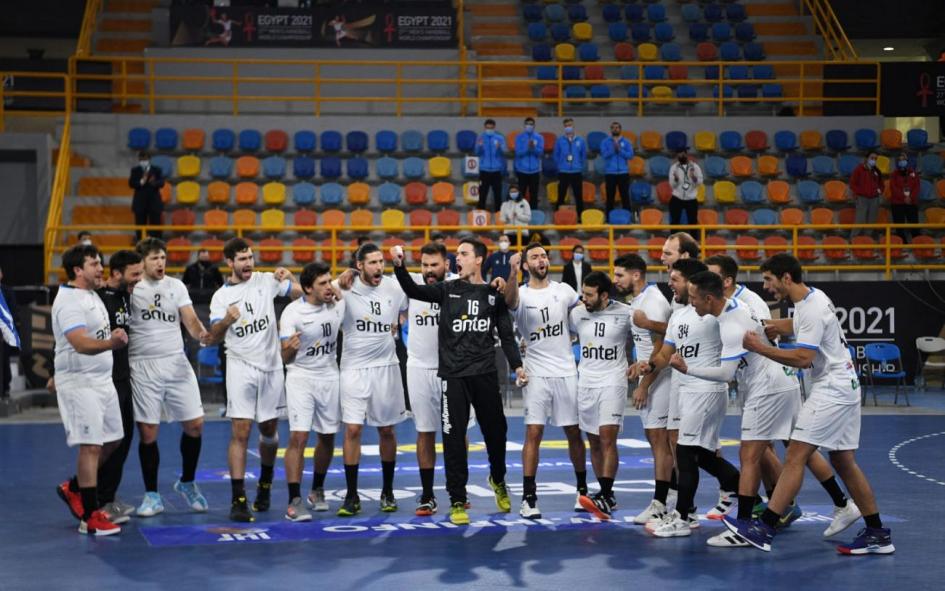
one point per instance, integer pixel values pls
(316, 500)
(758, 509)
(113, 513)
(672, 526)
(756, 532)
(671, 497)
(578, 507)
(426, 507)
(73, 500)
(529, 508)
(388, 502)
(598, 505)
(794, 513)
(724, 506)
(124, 508)
(98, 525)
(654, 511)
(192, 496)
(263, 496)
(239, 511)
(870, 540)
(502, 501)
(843, 517)
(694, 518)
(458, 515)
(727, 539)
(350, 508)
(151, 505)
(297, 511)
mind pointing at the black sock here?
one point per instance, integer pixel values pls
(606, 486)
(74, 484)
(265, 474)
(836, 493)
(387, 471)
(528, 486)
(189, 453)
(873, 521)
(581, 477)
(687, 458)
(426, 480)
(770, 518)
(318, 480)
(238, 488)
(295, 490)
(150, 459)
(745, 504)
(89, 501)
(661, 491)
(673, 480)
(351, 479)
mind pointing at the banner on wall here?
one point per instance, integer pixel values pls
(913, 89)
(340, 24)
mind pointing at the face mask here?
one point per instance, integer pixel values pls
(143, 163)
(683, 159)
(87, 242)
(529, 128)
(903, 164)
(871, 163)
(504, 246)
(490, 132)
(568, 130)
(578, 257)
(513, 195)
(615, 133)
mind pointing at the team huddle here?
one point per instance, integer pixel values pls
(329, 365)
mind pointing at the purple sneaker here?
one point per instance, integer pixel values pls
(870, 540)
(755, 531)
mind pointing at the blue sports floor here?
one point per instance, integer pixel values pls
(40, 549)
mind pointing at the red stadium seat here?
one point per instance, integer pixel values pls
(303, 257)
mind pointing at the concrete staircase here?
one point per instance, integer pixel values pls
(124, 30)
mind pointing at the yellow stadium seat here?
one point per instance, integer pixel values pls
(247, 193)
(705, 141)
(218, 192)
(648, 52)
(592, 217)
(811, 140)
(392, 219)
(440, 167)
(582, 32)
(724, 192)
(244, 217)
(443, 193)
(934, 215)
(651, 141)
(471, 193)
(551, 192)
(882, 163)
(273, 193)
(768, 165)
(273, 219)
(700, 194)
(359, 194)
(362, 217)
(188, 193)
(188, 166)
(564, 52)
(662, 92)
(247, 167)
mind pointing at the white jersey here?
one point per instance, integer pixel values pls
(542, 319)
(656, 308)
(423, 340)
(817, 327)
(603, 339)
(80, 308)
(756, 304)
(371, 313)
(757, 374)
(697, 340)
(253, 338)
(155, 318)
(319, 326)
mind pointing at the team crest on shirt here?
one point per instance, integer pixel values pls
(683, 331)
(491, 300)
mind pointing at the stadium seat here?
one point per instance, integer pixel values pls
(357, 168)
(730, 141)
(835, 191)
(411, 141)
(541, 52)
(188, 166)
(247, 193)
(647, 52)
(676, 141)
(439, 167)
(685, 91)
(931, 165)
(924, 254)
(729, 51)
(918, 139)
(386, 168)
(565, 52)
(276, 141)
(837, 140)
(637, 166)
(753, 51)
(664, 192)
(245, 218)
(187, 192)
(332, 194)
(273, 219)
(756, 140)
(165, 163)
(891, 139)
(438, 141)
(651, 216)
(724, 192)
(304, 251)
(139, 138)
(414, 168)
(566, 216)
(791, 216)
(588, 52)
(330, 167)
(592, 217)
(385, 141)
(443, 193)
(619, 217)
(303, 167)
(331, 141)
(359, 193)
(303, 194)
(865, 140)
(741, 166)
(823, 166)
(773, 245)
(934, 215)
(594, 140)
(537, 32)
(821, 216)
(744, 32)
(362, 217)
(305, 141)
(664, 33)
(273, 193)
(218, 193)
(333, 218)
(659, 166)
(532, 13)
(392, 220)
(651, 141)
(447, 217)
(270, 256)
(600, 91)
(796, 165)
(216, 218)
(808, 192)
(864, 254)
(641, 193)
(779, 192)
(707, 52)
(416, 193)
(807, 248)
(785, 141)
(223, 140)
(721, 32)
(735, 216)
(421, 217)
(926, 191)
(835, 248)
(273, 167)
(762, 72)
(715, 167)
(705, 141)
(192, 140)
(175, 256)
(752, 192)
(356, 142)
(811, 140)
(752, 252)
(247, 167)
(165, 139)
(847, 163)
(250, 140)
(581, 31)
(768, 165)
(388, 194)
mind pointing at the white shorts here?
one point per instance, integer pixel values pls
(655, 415)
(313, 401)
(672, 415)
(168, 383)
(828, 425)
(602, 406)
(550, 400)
(425, 390)
(770, 416)
(701, 418)
(253, 393)
(372, 394)
(89, 409)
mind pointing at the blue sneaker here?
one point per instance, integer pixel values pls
(870, 540)
(151, 505)
(192, 496)
(755, 532)
(793, 514)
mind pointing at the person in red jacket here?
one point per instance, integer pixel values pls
(904, 189)
(866, 183)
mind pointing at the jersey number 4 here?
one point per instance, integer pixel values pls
(248, 306)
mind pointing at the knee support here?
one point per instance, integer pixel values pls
(274, 440)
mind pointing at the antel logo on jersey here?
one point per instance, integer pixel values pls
(367, 325)
(248, 328)
(153, 313)
(426, 319)
(319, 349)
(600, 352)
(466, 324)
(688, 351)
(547, 331)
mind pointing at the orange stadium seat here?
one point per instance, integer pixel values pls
(568, 245)
(247, 167)
(836, 254)
(735, 216)
(359, 194)
(707, 217)
(820, 216)
(811, 140)
(637, 166)
(751, 254)
(651, 141)
(768, 165)
(588, 192)
(792, 216)
(924, 254)
(655, 248)
(305, 217)
(416, 193)
(602, 254)
(864, 254)
(421, 217)
(183, 217)
(389, 243)
(715, 245)
(447, 217)
(303, 257)
(175, 256)
(362, 217)
(166, 193)
(846, 215)
(940, 188)
(806, 254)
(416, 244)
(835, 191)
(779, 192)
(664, 192)
(247, 193)
(216, 218)
(326, 254)
(891, 139)
(215, 247)
(244, 217)
(218, 192)
(443, 193)
(333, 218)
(193, 139)
(270, 256)
(896, 253)
(651, 217)
(566, 216)
(626, 245)
(774, 245)
(741, 166)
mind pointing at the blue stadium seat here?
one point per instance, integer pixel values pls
(736, 72)
(537, 32)
(746, 91)
(389, 194)
(656, 13)
(538, 217)
(139, 138)
(411, 141)
(795, 165)
(223, 140)
(165, 139)
(560, 32)
(716, 167)
(698, 32)
(531, 13)
(357, 168)
(865, 140)
(577, 13)
(250, 140)
(594, 140)
(414, 168)
(466, 141)
(676, 141)
(927, 191)
(772, 90)
(331, 142)
(165, 163)
(654, 72)
(438, 141)
(847, 163)
(837, 140)
(332, 194)
(617, 32)
(600, 91)
(356, 142)
(671, 52)
(600, 166)
(386, 141)
(304, 141)
(745, 32)
(808, 192)
(712, 13)
(686, 91)
(712, 72)
(386, 168)
(571, 72)
(587, 52)
(823, 166)
(730, 141)
(330, 167)
(762, 73)
(611, 13)
(634, 92)
(764, 217)
(659, 166)
(619, 217)
(303, 194)
(730, 52)
(273, 167)
(721, 32)
(303, 167)
(541, 52)
(785, 140)
(641, 192)
(918, 139)
(546, 72)
(727, 91)
(221, 167)
(735, 13)
(752, 193)
(754, 52)
(930, 164)
(691, 13)
(554, 13)
(575, 92)
(640, 32)
(629, 72)
(549, 168)
(635, 13)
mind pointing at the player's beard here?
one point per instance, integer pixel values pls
(436, 277)
(372, 279)
(538, 273)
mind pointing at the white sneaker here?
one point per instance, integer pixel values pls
(843, 517)
(578, 507)
(316, 500)
(529, 508)
(693, 519)
(671, 499)
(724, 506)
(727, 539)
(655, 510)
(151, 505)
(672, 526)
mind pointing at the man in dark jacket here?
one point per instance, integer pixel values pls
(203, 275)
(575, 271)
(146, 181)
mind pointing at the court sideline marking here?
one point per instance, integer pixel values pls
(898, 464)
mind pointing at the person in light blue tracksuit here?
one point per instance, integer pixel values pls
(529, 147)
(616, 151)
(491, 149)
(570, 155)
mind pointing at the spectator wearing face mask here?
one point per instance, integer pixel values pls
(516, 211)
(615, 151)
(529, 146)
(203, 275)
(146, 181)
(576, 269)
(84, 238)
(904, 194)
(491, 149)
(497, 264)
(570, 154)
(685, 177)
(866, 184)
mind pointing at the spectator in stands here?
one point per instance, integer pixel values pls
(516, 211)
(577, 269)
(529, 147)
(491, 149)
(84, 237)
(497, 264)
(146, 181)
(439, 238)
(866, 184)
(685, 177)
(9, 335)
(616, 151)
(570, 155)
(904, 195)
(203, 275)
